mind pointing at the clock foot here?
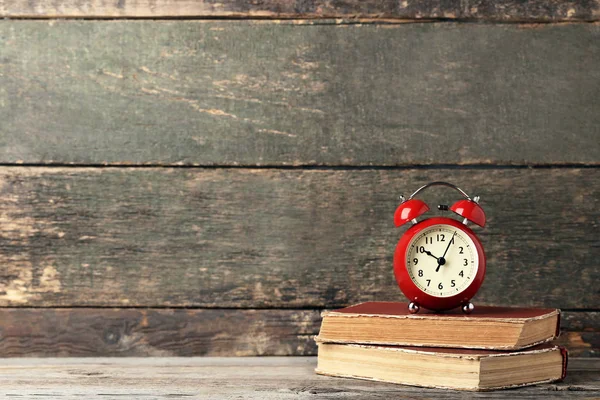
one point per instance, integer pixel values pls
(413, 308)
(468, 308)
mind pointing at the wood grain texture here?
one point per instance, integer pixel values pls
(499, 10)
(156, 332)
(581, 333)
(267, 238)
(193, 93)
(94, 332)
(264, 378)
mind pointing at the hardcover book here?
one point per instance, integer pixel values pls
(389, 323)
(444, 368)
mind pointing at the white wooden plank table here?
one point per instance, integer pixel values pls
(236, 378)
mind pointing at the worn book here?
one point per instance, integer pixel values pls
(460, 369)
(498, 328)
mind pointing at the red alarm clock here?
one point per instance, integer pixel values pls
(439, 262)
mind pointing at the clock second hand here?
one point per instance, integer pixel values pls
(442, 260)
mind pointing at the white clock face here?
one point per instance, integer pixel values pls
(442, 260)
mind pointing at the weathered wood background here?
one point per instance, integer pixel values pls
(206, 187)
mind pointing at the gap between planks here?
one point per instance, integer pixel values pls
(279, 308)
(307, 21)
(318, 167)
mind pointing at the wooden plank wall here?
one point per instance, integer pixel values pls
(206, 181)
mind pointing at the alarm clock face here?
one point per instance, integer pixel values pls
(442, 260)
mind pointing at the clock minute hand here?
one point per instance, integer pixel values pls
(442, 260)
(447, 247)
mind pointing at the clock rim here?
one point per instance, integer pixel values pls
(412, 291)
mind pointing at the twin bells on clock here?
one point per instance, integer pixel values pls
(467, 208)
(439, 262)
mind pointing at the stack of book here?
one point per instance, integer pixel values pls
(493, 348)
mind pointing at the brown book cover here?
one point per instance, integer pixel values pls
(462, 369)
(502, 328)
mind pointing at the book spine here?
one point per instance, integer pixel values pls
(557, 333)
(565, 357)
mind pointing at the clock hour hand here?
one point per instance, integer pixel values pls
(429, 254)
(442, 260)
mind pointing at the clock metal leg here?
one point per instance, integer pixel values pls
(413, 308)
(468, 308)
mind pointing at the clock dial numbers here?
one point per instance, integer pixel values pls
(442, 260)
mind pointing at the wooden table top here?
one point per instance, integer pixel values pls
(233, 378)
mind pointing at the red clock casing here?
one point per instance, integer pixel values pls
(408, 287)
